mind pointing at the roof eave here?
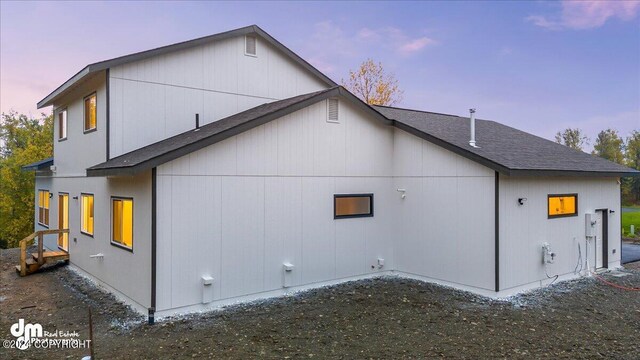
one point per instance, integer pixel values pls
(295, 56)
(48, 100)
(572, 173)
(182, 151)
(453, 148)
(43, 164)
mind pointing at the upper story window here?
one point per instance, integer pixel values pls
(43, 207)
(90, 113)
(562, 205)
(86, 213)
(62, 124)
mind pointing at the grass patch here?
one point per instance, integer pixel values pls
(629, 218)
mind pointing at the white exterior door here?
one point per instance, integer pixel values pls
(598, 242)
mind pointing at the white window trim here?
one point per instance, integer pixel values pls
(66, 124)
(245, 46)
(336, 121)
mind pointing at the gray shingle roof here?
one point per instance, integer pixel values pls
(502, 148)
(166, 150)
(39, 165)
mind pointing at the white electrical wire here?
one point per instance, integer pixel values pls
(550, 277)
(579, 264)
(586, 254)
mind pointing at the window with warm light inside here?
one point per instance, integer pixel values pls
(43, 207)
(352, 206)
(90, 113)
(122, 222)
(562, 205)
(62, 124)
(86, 213)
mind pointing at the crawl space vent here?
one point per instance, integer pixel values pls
(250, 45)
(332, 111)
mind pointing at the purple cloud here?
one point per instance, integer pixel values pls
(580, 15)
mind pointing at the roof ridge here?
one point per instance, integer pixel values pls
(421, 111)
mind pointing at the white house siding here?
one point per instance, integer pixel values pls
(127, 272)
(524, 228)
(80, 151)
(445, 231)
(239, 209)
(157, 98)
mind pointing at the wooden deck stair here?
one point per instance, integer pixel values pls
(38, 259)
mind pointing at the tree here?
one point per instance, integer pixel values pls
(631, 185)
(609, 145)
(573, 138)
(22, 141)
(373, 85)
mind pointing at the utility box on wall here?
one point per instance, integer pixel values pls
(287, 269)
(207, 289)
(589, 225)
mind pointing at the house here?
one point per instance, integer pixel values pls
(227, 168)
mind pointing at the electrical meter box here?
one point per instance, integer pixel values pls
(590, 225)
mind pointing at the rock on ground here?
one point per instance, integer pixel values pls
(379, 318)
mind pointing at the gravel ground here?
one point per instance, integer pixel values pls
(379, 318)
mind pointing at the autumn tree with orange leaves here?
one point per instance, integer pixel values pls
(373, 85)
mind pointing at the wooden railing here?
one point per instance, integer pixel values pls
(24, 243)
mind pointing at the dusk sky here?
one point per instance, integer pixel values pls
(536, 66)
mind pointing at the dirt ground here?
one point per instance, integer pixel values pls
(380, 318)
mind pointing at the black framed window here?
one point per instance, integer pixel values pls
(352, 206)
(122, 222)
(43, 207)
(562, 205)
(86, 214)
(90, 113)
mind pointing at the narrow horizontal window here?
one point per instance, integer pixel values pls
(62, 124)
(43, 207)
(562, 205)
(86, 212)
(122, 222)
(352, 205)
(90, 113)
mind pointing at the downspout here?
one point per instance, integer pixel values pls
(497, 231)
(107, 115)
(154, 192)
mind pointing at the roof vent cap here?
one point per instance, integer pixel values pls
(472, 120)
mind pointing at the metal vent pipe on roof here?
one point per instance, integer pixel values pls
(472, 120)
